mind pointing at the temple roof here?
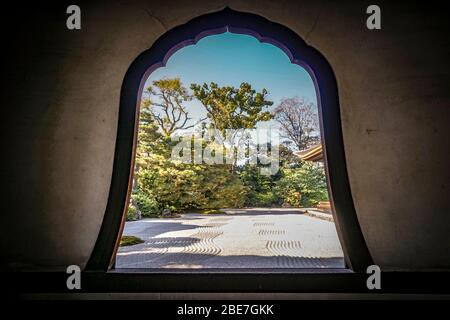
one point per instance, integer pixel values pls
(314, 153)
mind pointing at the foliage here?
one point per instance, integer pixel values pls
(233, 108)
(228, 107)
(287, 158)
(259, 187)
(132, 213)
(164, 101)
(304, 186)
(178, 186)
(147, 203)
(161, 183)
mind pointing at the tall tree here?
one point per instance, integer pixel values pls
(299, 121)
(165, 99)
(233, 108)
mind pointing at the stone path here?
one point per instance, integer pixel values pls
(250, 238)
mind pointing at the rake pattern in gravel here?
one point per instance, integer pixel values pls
(247, 239)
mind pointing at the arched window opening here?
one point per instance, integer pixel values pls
(233, 157)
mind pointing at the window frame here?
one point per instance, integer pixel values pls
(356, 253)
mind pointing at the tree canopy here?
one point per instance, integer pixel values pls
(299, 121)
(165, 102)
(233, 108)
(161, 183)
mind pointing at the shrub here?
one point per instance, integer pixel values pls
(164, 184)
(146, 203)
(267, 199)
(259, 187)
(304, 186)
(131, 213)
(226, 192)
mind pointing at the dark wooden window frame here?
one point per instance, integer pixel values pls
(356, 253)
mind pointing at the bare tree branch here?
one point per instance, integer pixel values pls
(299, 121)
(166, 105)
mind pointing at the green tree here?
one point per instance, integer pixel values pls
(228, 107)
(181, 187)
(166, 98)
(161, 183)
(260, 188)
(233, 108)
(305, 185)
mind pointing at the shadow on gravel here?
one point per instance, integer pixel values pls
(208, 261)
(149, 228)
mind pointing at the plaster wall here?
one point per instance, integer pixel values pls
(61, 99)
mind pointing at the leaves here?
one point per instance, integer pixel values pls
(303, 186)
(164, 103)
(233, 108)
(160, 183)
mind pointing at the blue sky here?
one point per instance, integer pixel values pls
(230, 59)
